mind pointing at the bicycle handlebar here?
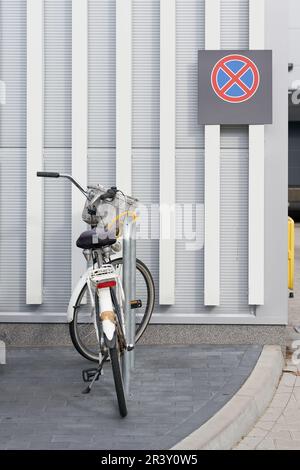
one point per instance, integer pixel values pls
(109, 195)
(50, 174)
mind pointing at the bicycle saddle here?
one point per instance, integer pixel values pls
(95, 238)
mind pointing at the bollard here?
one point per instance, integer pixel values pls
(132, 312)
(127, 292)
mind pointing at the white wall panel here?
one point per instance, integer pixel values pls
(79, 125)
(256, 174)
(167, 151)
(212, 175)
(35, 145)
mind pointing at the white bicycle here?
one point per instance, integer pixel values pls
(96, 308)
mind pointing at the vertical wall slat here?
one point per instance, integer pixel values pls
(79, 124)
(256, 172)
(212, 175)
(35, 118)
(167, 151)
(123, 95)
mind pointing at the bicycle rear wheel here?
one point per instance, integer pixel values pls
(82, 329)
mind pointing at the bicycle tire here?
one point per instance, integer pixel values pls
(81, 348)
(118, 380)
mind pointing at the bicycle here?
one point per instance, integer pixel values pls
(96, 308)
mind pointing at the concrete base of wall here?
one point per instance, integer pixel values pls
(33, 334)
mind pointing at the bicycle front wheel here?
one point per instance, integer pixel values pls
(82, 329)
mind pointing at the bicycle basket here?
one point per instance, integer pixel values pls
(103, 213)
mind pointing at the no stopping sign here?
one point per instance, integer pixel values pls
(235, 87)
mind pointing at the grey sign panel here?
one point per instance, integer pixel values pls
(235, 87)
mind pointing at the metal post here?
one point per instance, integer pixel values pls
(127, 291)
(133, 290)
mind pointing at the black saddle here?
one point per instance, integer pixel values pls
(95, 238)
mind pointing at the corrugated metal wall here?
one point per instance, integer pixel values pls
(101, 156)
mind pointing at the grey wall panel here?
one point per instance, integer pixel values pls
(12, 229)
(58, 73)
(145, 73)
(190, 37)
(234, 179)
(234, 231)
(146, 189)
(189, 254)
(102, 167)
(13, 72)
(57, 234)
(102, 73)
(234, 24)
(234, 137)
(234, 35)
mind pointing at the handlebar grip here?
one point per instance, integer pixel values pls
(48, 174)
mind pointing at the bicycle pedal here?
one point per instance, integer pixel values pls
(135, 304)
(89, 374)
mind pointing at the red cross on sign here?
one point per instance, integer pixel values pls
(235, 78)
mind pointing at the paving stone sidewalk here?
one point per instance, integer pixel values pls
(279, 427)
(174, 391)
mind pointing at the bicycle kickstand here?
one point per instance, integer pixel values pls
(91, 375)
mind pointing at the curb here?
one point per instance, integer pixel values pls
(239, 415)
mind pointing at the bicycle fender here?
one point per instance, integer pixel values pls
(110, 343)
(78, 288)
